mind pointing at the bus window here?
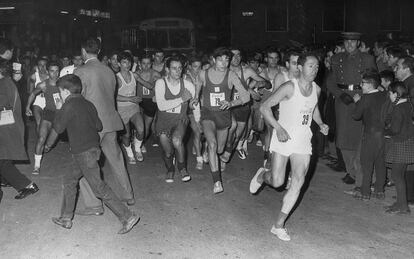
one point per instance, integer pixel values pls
(142, 39)
(157, 38)
(180, 38)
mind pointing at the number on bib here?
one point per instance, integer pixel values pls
(216, 99)
(145, 91)
(56, 98)
(305, 119)
(236, 96)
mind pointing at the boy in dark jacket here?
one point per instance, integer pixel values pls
(368, 109)
(80, 118)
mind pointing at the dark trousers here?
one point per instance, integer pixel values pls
(12, 175)
(398, 176)
(86, 165)
(372, 156)
(409, 177)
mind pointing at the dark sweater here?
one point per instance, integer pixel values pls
(80, 118)
(401, 126)
(368, 108)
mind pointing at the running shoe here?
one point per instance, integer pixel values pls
(223, 166)
(131, 160)
(241, 153)
(254, 183)
(169, 177)
(281, 233)
(259, 143)
(185, 177)
(205, 157)
(139, 156)
(63, 222)
(218, 187)
(199, 165)
(36, 170)
(225, 157)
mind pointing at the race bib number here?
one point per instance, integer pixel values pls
(176, 110)
(236, 96)
(145, 91)
(216, 99)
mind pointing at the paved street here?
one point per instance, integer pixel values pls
(185, 220)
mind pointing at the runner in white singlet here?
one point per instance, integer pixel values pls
(291, 140)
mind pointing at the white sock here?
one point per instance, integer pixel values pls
(128, 149)
(137, 144)
(239, 145)
(199, 159)
(37, 158)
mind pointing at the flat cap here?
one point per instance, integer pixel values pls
(351, 35)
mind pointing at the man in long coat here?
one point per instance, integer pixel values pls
(344, 82)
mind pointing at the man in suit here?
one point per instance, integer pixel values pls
(344, 82)
(98, 87)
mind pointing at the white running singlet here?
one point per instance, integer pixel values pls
(295, 116)
(127, 89)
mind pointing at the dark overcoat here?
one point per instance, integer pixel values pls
(347, 69)
(11, 136)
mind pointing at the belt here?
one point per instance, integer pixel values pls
(349, 87)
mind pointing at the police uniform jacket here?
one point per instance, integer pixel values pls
(344, 82)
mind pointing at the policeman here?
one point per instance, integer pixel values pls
(344, 82)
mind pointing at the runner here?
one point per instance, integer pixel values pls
(128, 108)
(270, 72)
(148, 105)
(172, 94)
(52, 103)
(159, 62)
(193, 75)
(218, 82)
(38, 76)
(241, 113)
(292, 136)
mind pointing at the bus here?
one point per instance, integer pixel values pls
(169, 34)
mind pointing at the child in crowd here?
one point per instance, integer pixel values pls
(368, 109)
(80, 118)
(399, 132)
(387, 77)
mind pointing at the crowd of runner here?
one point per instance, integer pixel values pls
(224, 100)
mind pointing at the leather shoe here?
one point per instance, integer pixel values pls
(5, 184)
(129, 224)
(65, 223)
(348, 179)
(90, 212)
(31, 189)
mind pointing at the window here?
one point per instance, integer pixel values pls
(277, 16)
(157, 39)
(333, 18)
(180, 38)
(389, 15)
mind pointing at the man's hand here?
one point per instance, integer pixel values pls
(193, 103)
(17, 76)
(346, 98)
(255, 95)
(324, 129)
(282, 134)
(29, 112)
(224, 105)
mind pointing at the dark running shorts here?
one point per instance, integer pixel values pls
(241, 113)
(222, 119)
(149, 108)
(48, 115)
